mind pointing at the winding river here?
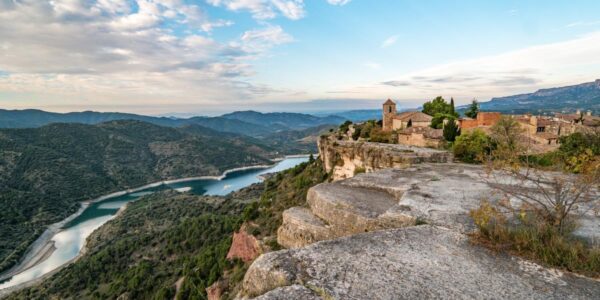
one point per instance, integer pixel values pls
(69, 241)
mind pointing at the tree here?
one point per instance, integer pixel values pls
(452, 110)
(451, 130)
(508, 137)
(437, 121)
(437, 106)
(473, 110)
(472, 147)
(551, 196)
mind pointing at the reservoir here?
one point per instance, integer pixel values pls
(70, 240)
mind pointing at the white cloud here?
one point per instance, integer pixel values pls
(582, 23)
(389, 41)
(525, 70)
(259, 40)
(338, 2)
(269, 9)
(372, 65)
(72, 52)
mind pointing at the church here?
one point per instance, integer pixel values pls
(396, 121)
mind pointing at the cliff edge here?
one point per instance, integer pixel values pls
(358, 238)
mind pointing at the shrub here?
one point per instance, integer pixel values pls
(451, 130)
(472, 147)
(533, 238)
(344, 127)
(359, 170)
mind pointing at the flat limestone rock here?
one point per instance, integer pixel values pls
(420, 262)
(351, 210)
(290, 292)
(301, 227)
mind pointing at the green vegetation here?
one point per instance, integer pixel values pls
(472, 147)
(535, 239)
(372, 131)
(45, 172)
(472, 110)
(143, 252)
(451, 131)
(439, 106)
(440, 110)
(345, 126)
(282, 191)
(168, 236)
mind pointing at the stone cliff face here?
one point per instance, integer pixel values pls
(357, 239)
(345, 158)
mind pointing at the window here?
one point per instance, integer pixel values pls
(541, 129)
(389, 109)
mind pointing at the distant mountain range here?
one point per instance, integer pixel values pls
(248, 123)
(585, 96)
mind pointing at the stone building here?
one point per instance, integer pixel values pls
(421, 137)
(395, 121)
(484, 119)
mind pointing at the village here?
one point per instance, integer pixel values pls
(540, 133)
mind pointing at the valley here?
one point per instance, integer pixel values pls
(67, 241)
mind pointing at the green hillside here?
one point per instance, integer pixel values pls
(170, 237)
(46, 171)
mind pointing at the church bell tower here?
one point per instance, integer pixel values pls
(389, 111)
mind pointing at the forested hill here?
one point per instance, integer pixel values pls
(32, 118)
(248, 123)
(284, 121)
(46, 171)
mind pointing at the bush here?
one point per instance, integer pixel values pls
(344, 127)
(359, 170)
(533, 238)
(451, 130)
(472, 147)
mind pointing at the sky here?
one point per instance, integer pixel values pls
(202, 57)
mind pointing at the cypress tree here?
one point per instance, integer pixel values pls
(451, 131)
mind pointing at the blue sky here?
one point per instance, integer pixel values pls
(206, 57)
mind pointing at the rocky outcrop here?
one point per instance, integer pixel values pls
(215, 291)
(295, 291)
(357, 239)
(244, 246)
(422, 262)
(301, 227)
(345, 158)
(438, 194)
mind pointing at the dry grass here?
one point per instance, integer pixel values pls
(534, 239)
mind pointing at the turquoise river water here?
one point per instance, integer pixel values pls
(71, 238)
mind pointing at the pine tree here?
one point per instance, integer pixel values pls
(451, 130)
(452, 111)
(472, 110)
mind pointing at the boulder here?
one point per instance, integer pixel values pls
(243, 246)
(408, 263)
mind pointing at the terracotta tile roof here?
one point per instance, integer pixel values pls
(415, 116)
(591, 121)
(568, 117)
